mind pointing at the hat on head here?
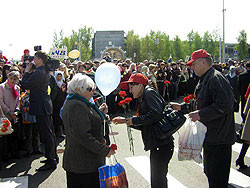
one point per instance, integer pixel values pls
(198, 54)
(137, 78)
(26, 51)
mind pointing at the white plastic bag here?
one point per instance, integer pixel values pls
(191, 138)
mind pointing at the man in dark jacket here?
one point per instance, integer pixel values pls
(149, 112)
(215, 109)
(41, 106)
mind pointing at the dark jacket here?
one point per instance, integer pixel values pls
(38, 82)
(215, 102)
(244, 80)
(151, 108)
(85, 150)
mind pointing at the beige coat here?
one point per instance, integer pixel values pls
(246, 128)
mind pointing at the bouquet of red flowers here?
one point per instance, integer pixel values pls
(5, 127)
(125, 104)
(189, 98)
(167, 82)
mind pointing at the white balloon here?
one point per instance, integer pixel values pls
(107, 78)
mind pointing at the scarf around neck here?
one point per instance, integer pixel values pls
(13, 90)
(78, 97)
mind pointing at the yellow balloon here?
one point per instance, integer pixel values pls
(74, 54)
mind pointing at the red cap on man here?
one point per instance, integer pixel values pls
(198, 54)
(137, 78)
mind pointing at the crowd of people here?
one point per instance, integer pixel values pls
(39, 104)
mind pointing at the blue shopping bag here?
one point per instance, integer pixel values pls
(112, 176)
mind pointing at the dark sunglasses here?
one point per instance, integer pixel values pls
(89, 89)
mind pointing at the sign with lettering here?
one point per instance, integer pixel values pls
(58, 53)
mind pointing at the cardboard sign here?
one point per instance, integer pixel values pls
(58, 53)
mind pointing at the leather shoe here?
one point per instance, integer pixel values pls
(47, 166)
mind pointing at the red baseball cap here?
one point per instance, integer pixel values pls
(137, 78)
(198, 54)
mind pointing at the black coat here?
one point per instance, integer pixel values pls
(38, 82)
(215, 102)
(151, 109)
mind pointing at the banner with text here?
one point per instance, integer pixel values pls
(58, 53)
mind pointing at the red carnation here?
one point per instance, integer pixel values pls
(128, 100)
(96, 99)
(187, 100)
(166, 82)
(6, 123)
(191, 96)
(122, 102)
(113, 147)
(4, 129)
(122, 93)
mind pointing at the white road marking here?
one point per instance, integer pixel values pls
(20, 182)
(142, 165)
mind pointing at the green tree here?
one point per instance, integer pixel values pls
(85, 34)
(132, 43)
(197, 42)
(242, 46)
(178, 48)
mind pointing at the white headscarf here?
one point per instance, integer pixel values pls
(59, 83)
(232, 71)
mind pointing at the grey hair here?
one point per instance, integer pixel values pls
(13, 74)
(80, 81)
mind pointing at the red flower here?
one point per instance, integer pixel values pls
(96, 99)
(166, 82)
(6, 123)
(191, 96)
(113, 147)
(4, 129)
(122, 102)
(187, 100)
(122, 93)
(127, 100)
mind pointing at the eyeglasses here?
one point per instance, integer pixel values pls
(89, 89)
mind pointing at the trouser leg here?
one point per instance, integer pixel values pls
(47, 136)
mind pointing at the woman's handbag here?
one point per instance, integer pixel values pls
(5, 125)
(112, 176)
(171, 121)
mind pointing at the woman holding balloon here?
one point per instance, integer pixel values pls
(85, 149)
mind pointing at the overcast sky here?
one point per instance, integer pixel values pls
(26, 23)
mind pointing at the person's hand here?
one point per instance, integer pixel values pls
(119, 120)
(13, 116)
(111, 152)
(104, 108)
(28, 68)
(194, 116)
(175, 106)
(107, 118)
(129, 121)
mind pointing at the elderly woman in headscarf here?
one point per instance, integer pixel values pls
(9, 101)
(61, 92)
(85, 149)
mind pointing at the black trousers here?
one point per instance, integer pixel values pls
(47, 135)
(159, 159)
(217, 162)
(81, 180)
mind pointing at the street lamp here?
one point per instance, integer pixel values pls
(223, 32)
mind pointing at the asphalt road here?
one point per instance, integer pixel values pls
(181, 173)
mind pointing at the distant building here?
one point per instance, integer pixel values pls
(108, 41)
(230, 52)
